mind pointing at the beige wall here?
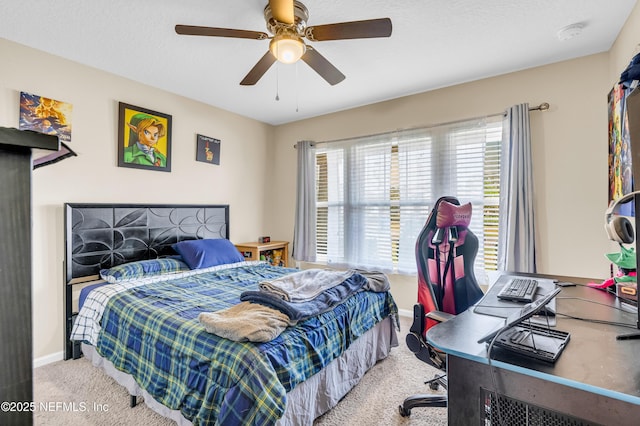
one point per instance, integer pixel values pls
(570, 158)
(569, 150)
(93, 176)
(569, 153)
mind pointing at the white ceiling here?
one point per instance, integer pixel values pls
(435, 43)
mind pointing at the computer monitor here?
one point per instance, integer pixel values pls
(633, 117)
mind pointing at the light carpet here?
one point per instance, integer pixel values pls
(75, 392)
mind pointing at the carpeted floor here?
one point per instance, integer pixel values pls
(76, 393)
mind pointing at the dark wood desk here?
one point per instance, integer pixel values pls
(596, 380)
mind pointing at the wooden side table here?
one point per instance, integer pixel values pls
(275, 252)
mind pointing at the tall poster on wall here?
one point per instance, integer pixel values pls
(620, 171)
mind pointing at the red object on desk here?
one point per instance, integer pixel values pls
(610, 281)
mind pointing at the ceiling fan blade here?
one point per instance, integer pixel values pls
(220, 32)
(345, 30)
(282, 10)
(258, 69)
(322, 66)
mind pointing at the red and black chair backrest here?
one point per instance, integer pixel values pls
(445, 254)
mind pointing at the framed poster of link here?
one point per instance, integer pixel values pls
(144, 138)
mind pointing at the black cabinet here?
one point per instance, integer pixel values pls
(16, 351)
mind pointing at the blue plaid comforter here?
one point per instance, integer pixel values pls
(152, 332)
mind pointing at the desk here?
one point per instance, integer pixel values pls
(596, 379)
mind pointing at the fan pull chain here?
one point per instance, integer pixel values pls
(297, 86)
(277, 82)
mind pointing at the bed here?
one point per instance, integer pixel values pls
(146, 328)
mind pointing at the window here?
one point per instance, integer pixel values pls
(373, 194)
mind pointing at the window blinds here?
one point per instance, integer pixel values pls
(374, 193)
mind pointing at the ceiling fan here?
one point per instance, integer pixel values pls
(287, 22)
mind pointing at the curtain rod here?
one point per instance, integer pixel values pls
(542, 107)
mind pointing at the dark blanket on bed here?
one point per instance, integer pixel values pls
(152, 332)
(323, 302)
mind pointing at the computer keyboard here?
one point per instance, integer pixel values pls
(519, 290)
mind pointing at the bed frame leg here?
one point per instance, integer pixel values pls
(133, 401)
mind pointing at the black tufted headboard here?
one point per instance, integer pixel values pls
(99, 236)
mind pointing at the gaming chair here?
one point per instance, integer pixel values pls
(445, 253)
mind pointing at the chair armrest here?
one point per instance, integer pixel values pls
(439, 316)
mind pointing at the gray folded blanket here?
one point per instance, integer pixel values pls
(299, 311)
(376, 281)
(246, 322)
(305, 285)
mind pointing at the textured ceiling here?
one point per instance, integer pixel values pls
(435, 43)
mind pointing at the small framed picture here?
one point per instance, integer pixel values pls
(208, 149)
(144, 138)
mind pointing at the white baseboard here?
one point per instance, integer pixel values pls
(48, 359)
(405, 313)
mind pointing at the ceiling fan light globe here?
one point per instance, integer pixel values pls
(287, 49)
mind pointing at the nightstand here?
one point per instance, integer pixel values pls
(275, 252)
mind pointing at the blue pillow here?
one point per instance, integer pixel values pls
(200, 254)
(142, 268)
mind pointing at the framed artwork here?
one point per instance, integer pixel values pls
(49, 116)
(207, 149)
(620, 171)
(45, 115)
(144, 138)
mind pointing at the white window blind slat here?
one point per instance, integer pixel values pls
(374, 193)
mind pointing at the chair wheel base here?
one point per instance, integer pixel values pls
(403, 412)
(422, 400)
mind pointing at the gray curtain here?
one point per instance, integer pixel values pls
(304, 233)
(517, 242)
